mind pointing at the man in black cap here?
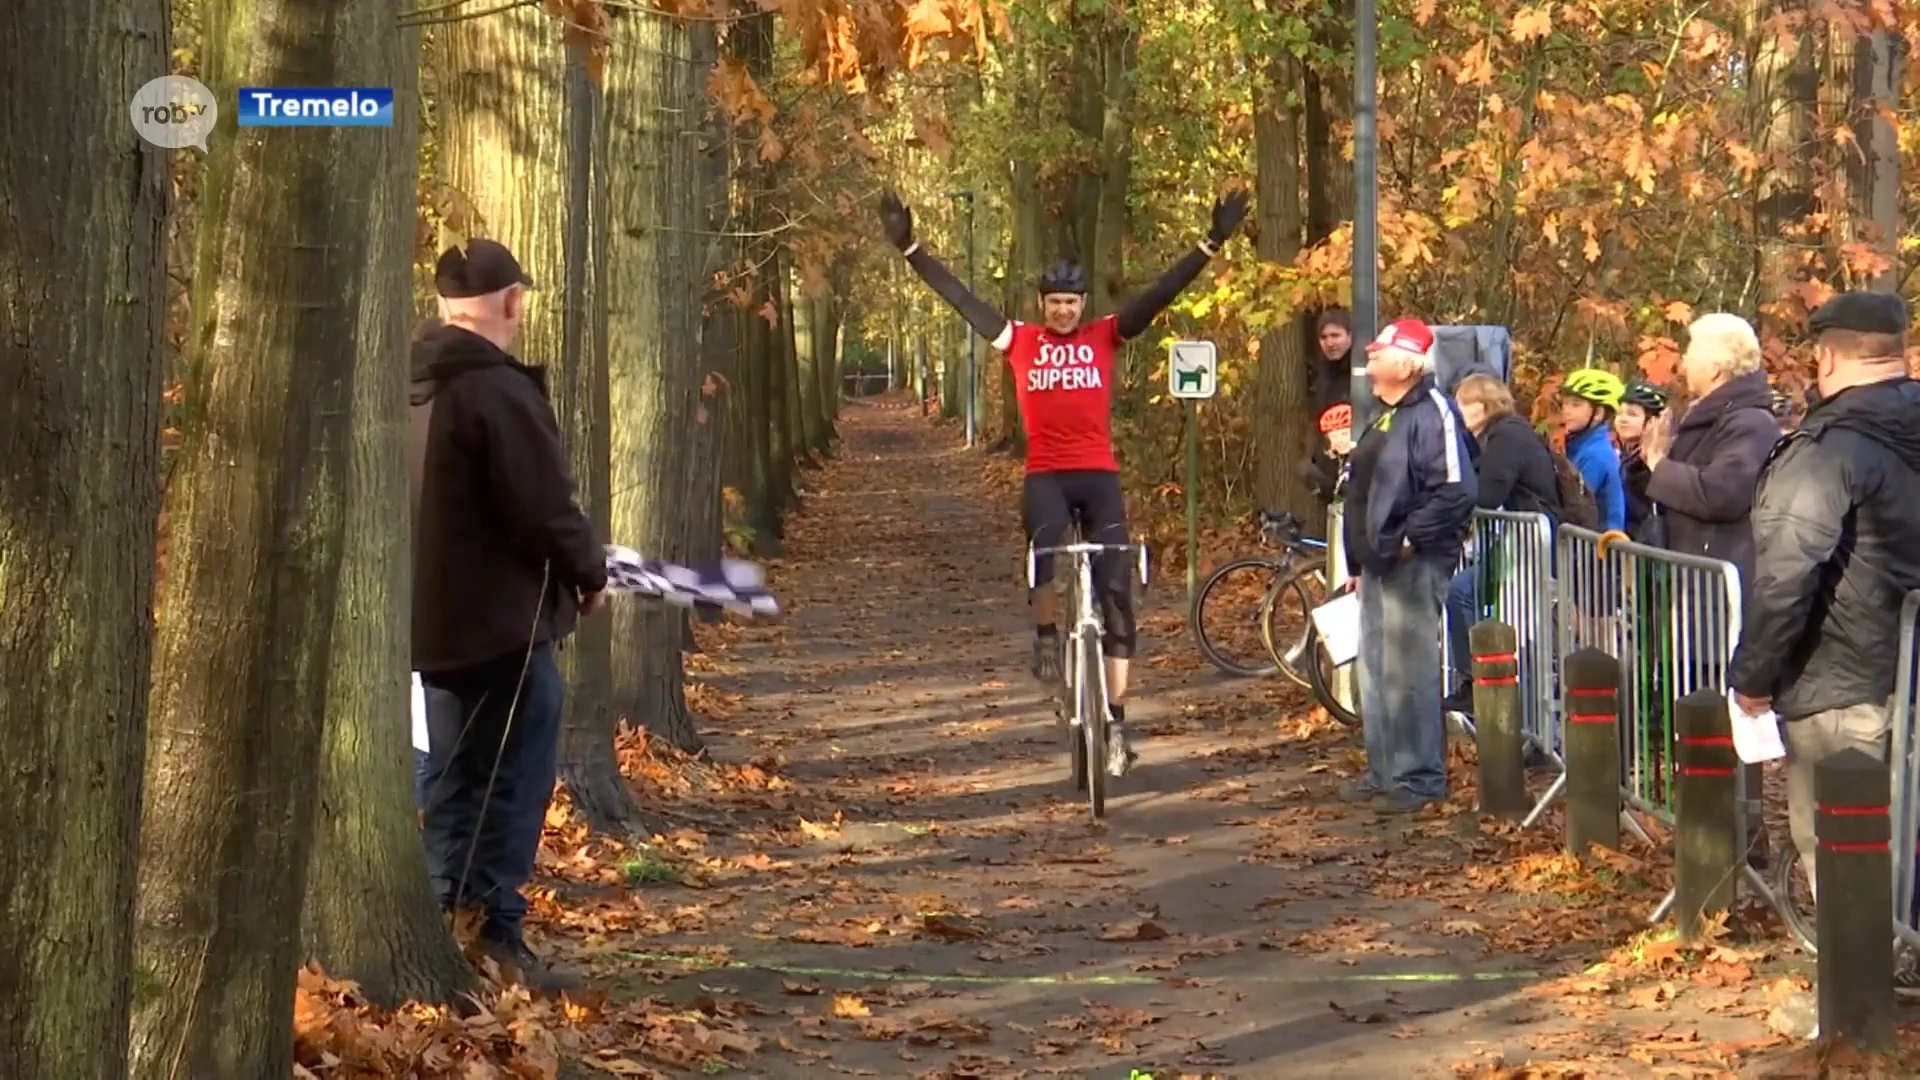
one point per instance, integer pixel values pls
(1836, 528)
(504, 563)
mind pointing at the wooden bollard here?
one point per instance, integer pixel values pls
(1853, 867)
(1592, 737)
(1498, 732)
(1706, 844)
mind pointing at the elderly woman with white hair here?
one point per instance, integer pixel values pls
(1706, 465)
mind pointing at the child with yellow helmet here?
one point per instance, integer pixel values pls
(1589, 398)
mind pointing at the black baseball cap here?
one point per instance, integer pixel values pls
(480, 268)
(1861, 313)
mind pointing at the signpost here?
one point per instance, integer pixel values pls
(1193, 373)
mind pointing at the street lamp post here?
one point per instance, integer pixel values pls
(1366, 222)
(971, 392)
(1366, 275)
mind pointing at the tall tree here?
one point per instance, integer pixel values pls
(517, 136)
(370, 915)
(1281, 425)
(1782, 97)
(255, 531)
(81, 356)
(655, 373)
(583, 405)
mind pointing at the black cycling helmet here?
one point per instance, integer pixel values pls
(1063, 277)
(1647, 395)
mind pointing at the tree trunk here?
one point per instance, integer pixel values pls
(81, 352)
(717, 357)
(1282, 422)
(581, 399)
(370, 914)
(515, 122)
(783, 389)
(655, 377)
(255, 529)
(1879, 59)
(806, 318)
(1119, 47)
(1783, 96)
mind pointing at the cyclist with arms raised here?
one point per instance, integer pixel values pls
(1063, 376)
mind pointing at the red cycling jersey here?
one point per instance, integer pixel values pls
(1064, 384)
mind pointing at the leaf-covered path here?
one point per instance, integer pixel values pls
(905, 884)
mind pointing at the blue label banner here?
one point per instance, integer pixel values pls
(294, 106)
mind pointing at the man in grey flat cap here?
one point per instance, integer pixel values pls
(1836, 527)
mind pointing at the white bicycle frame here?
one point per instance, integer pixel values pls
(1085, 620)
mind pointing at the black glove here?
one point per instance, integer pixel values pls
(896, 221)
(1228, 212)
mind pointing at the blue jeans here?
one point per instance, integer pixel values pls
(1399, 676)
(482, 826)
(1460, 618)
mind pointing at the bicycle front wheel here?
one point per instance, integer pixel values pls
(1320, 672)
(1286, 620)
(1795, 895)
(1093, 722)
(1226, 612)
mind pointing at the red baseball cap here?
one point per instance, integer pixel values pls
(1409, 334)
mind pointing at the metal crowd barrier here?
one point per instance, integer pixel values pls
(1511, 557)
(1904, 757)
(1673, 621)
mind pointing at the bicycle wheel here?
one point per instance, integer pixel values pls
(1225, 614)
(1286, 620)
(1320, 671)
(1795, 895)
(1093, 723)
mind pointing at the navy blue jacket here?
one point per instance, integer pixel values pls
(1412, 481)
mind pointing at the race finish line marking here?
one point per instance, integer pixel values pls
(707, 964)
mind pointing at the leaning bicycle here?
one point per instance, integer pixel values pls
(1231, 608)
(1083, 705)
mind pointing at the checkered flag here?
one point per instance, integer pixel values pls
(731, 585)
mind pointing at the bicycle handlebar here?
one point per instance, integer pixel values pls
(1033, 556)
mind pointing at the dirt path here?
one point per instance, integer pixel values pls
(907, 885)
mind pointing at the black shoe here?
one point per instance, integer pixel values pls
(518, 963)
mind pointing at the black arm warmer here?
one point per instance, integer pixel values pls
(1138, 313)
(979, 314)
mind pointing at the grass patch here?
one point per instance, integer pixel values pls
(644, 867)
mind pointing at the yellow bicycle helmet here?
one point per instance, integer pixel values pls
(1599, 387)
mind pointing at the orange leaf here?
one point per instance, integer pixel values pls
(1532, 22)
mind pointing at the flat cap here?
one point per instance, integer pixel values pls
(1862, 313)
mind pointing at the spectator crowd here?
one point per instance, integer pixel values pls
(1814, 503)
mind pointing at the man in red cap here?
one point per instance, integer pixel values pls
(1410, 498)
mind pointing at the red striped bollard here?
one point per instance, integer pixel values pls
(1592, 738)
(1498, 736)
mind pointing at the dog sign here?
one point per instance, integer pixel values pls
(1193, 370)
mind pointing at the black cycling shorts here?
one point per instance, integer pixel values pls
(1049, 504)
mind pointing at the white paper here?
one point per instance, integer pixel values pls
(1756, 736)
(419, 714)
(1338, 623)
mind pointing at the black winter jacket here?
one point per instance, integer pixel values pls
(1704, 486)
(1412, 482)
(1837, 522)
(1515, 469)
(501, 551)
